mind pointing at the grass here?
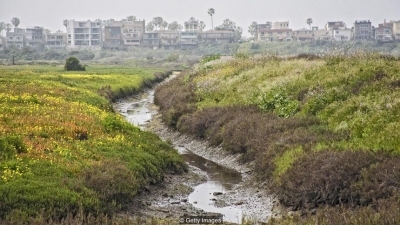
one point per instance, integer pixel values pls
(63, 149)
(321, 130)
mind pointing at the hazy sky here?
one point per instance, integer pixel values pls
(51, 13)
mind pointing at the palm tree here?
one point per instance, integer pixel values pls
(15, 21)
(211, 12)
(309, 22)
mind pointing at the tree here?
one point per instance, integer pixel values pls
(175, 26)
(164, 25)
(269, 24)
(2, 27)
(8, 27)
(47, 31)
(73, 64)
(253, 29)
(15, 21)
(202, 25)
(131, 18)
(192, 19)
(309, 22)
(65, 22)
(150, 26)
(211, 12)
(157, 21)
(227, 24)
(230, 25)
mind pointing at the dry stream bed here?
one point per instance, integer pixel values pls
(215, 184)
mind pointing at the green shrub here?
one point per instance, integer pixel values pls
(10, 146)
(73, 64)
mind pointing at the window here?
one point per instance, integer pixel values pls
(364, 25)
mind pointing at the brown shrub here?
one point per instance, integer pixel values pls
(175, 98)
(324, 177)
(381, 180)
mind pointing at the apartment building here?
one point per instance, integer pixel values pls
(362, 30)
(34, 36)
(132, 32)
(85, 33)
(151, 39)
(272, 35)
(303, 34)
(56, 40)
(169, 39)
(112, 37)
(218, 36)
(384, 32)
(16, 38)
(396, 29)
(188, 39)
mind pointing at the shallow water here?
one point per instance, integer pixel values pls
(139, 112)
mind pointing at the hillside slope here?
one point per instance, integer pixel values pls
(321, 131)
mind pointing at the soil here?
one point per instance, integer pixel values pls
(174, 198)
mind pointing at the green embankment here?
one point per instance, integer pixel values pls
(64, 151)
(321, 131)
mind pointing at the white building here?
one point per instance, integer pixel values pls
(342, 34)
(84, 34)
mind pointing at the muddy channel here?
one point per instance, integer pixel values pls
(215, 184)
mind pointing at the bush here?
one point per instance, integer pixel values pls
(73, 64)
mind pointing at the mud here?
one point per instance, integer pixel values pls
(215, 184)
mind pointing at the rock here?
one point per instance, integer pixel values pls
(195, 202)
(213, 199)
(165, 195)
(184, 200)
(171, 196)
(239, 203)
(175, 203)
(217, 193)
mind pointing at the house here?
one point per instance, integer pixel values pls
(342, 34)
(169, 39)
(112, 37)
(151, 39)
(303, 34)
(362, 30)
(272, 35)
(132, 32)
(85, 33)
(396, 29)
(16, 38)
(192, 25)
(188, 39)
(281, 25)
(34, 37)
(335, 25)
(219, 36)
(383, 33)
(56, 40)
(322, 35)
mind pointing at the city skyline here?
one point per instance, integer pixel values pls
(51, 13)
